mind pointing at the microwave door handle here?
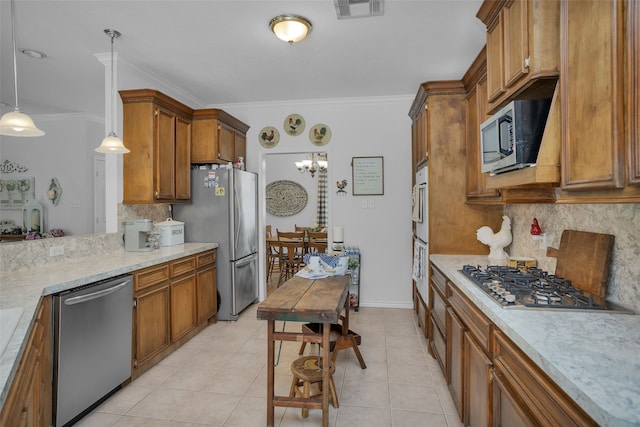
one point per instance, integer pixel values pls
(506, 118)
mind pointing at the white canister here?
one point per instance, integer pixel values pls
(171, 232)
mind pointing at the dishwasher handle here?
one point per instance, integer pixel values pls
(95, 295)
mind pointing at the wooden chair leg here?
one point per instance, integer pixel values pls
(302, 347)
(306, 393)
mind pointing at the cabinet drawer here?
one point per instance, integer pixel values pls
(438, 279)
(438, 308)
(439, 346)
(479, 325)
(205, 258)
(183, 265)
(544, 399)
(150, 276)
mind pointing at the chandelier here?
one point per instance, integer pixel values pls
(312, 165)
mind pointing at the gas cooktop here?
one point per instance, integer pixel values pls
(532, 287)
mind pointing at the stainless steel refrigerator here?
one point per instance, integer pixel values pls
(224, 210)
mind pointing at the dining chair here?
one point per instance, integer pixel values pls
(291, 245)
(273, 253)
(317, 241)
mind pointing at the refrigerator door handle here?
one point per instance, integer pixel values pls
(244, 262)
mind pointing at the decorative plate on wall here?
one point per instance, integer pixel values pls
(294, 124)
(269, 137)
(320, 134)
(285, 198)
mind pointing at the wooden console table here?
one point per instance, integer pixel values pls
(303, 300)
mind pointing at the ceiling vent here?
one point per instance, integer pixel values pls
(358, 8)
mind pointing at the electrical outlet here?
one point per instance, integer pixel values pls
(56, 250)
(371, 204)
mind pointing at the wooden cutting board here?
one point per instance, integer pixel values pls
(584, 258)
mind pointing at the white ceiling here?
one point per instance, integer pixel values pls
(223, 52)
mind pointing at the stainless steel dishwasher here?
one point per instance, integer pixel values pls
(92, 345)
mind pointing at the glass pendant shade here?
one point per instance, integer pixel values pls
(16, 123)
(113, 145)
(290, 28)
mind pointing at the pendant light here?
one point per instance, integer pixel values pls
(17, 123)
(111, 143)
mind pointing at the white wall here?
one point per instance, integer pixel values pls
(65, 152)
(282, 167)
(360, 127)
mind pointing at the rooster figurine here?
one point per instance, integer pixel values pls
(496, 241)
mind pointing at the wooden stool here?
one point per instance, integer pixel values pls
(305, 372)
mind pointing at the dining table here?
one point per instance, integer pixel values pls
(300, 299)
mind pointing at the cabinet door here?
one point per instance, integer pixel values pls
(241, 146)
(516, 41)
(183, 306)
(164, 155)
(633, 116)
(592, 69)
(29, 400)
(455, 361)
(226, 143)
(477, 393)
(495, 69)
(152, 324)
(183, 159)
(507, 410)
(206, 293)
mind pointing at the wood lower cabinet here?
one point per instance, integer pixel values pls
(218, 137)
(491, 381)
(530, 393)
(206, 302)
(477, 389)
(172, 302)
(29, 399)
(157, 130)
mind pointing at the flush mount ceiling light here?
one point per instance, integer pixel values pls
(17, 123)
(290, 28)
(111, 143)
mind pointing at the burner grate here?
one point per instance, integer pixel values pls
(532, 287)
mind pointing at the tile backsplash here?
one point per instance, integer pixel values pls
(620, 220)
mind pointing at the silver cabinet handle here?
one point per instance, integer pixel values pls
(95, 295)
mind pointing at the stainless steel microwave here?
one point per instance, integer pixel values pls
(511, 138)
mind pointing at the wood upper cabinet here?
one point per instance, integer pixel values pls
(633, 113)
(217, 137)
(475, 80)
(419, 125)
(522, 48)
(600, 161)
(157, 130)
(29, 399)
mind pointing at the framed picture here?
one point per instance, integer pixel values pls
(368, 176)
(15, 192)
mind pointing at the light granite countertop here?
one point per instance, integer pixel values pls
(592, 356)
(24, 288)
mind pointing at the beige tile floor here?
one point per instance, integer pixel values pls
(218, 378)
